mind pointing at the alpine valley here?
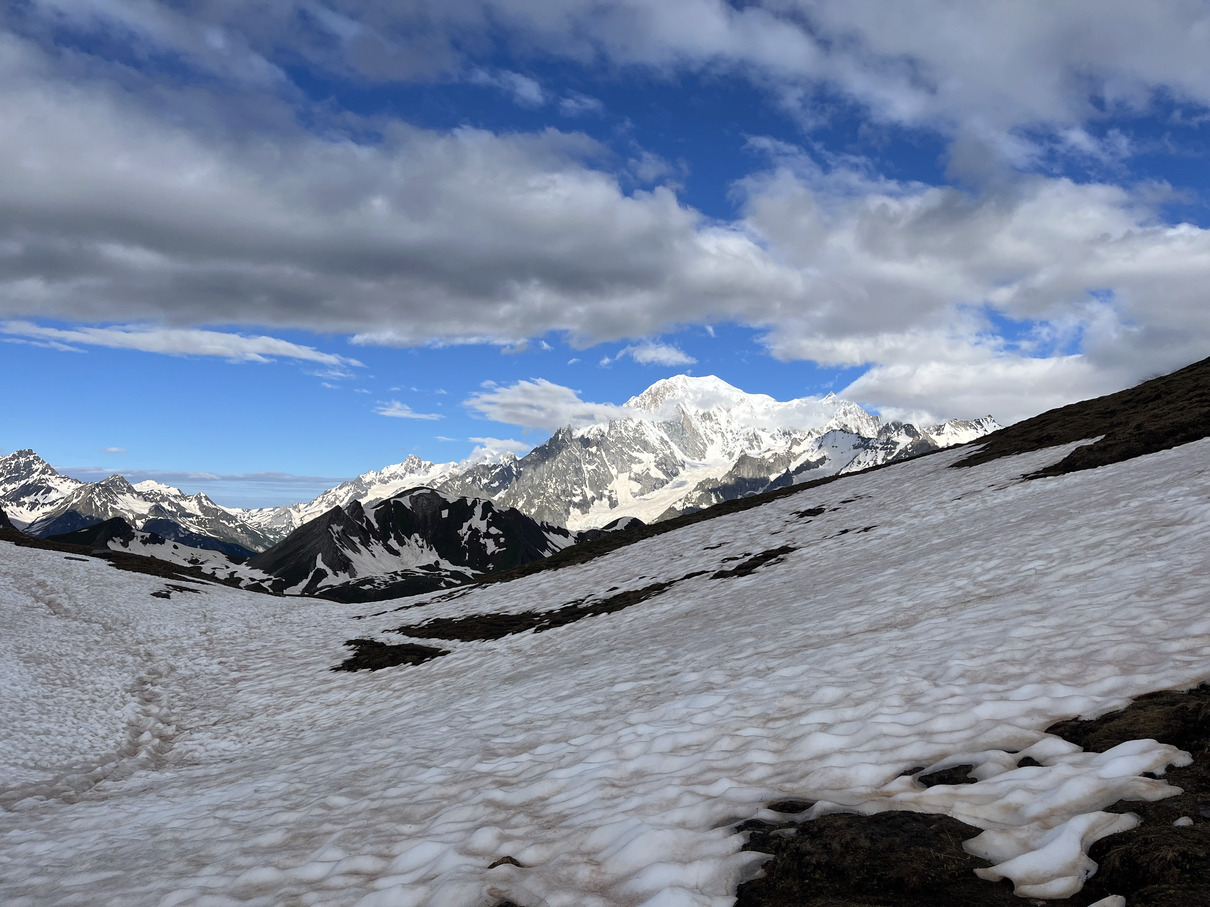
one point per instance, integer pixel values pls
(865, 689)
(682, 445)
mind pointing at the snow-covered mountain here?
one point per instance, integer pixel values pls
(415, 541)
(30, 487)
(682, 447)
(95, 502)
(687, 443)
(43, 502)
(609, 732)
(688, 440)
(367, 488)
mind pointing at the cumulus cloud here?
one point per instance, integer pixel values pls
(493, 449)
(176, 341)
(460, 237)
(541, 404)
(398, 410)
(1006, 387)
(651, 352)
(130, 198)
(994, 66)
(524, 90)
(912, 277)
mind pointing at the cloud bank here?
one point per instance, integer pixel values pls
(133, 197)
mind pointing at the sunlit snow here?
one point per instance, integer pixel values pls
(166, 751)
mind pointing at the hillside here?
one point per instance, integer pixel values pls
(617, 730)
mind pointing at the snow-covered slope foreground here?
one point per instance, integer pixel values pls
(200, 750)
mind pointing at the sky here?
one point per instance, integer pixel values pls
(255, 249)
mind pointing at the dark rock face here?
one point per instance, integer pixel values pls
(173, 532)
(97, 534)
(6, 524)
(325, 539)
(69, 521)
(416, 541)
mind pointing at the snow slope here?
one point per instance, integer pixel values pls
(200, 748)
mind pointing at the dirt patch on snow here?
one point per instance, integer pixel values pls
(372, 655)
(845, 860)
(1159, 863)
(496, 626)
(901, 859)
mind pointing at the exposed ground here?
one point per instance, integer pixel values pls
(901, 859)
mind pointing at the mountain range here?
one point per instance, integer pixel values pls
(683, 445)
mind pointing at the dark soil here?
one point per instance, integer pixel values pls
(169, 588)
(893, 858)
(371, 655)
(956, 774)
(1157, 863)
(755, 561)
(497, 626)
(1156, 415)
(898, 859)
(810, 513)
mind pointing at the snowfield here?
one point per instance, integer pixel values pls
(199, 750)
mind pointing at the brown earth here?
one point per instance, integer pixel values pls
(899, 859)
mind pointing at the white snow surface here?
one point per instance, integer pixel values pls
(152, 486)
(199, 749)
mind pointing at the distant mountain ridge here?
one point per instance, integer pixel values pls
(684, 443)
(415, 541)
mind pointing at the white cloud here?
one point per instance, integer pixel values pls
(494, 448)
(44, 344)
(525, 91)
(651, 352)
(1006, 387)
(398, 410)
(576, 105)
(130, 200)
(541, 404)
(114, 450)
(177, 341)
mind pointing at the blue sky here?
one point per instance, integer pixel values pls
(255, 249)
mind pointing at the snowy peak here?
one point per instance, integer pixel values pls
(962, 431)
(151, 487)
(23, 465)
(29, 486)
(692, 393)
(116, 484)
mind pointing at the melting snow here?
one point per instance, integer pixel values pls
(176, 750)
